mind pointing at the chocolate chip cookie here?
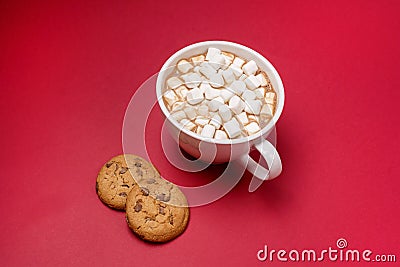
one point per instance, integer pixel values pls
(156, 210)
(119, 175)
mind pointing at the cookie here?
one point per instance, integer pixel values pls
(156, 210)
(119, 175)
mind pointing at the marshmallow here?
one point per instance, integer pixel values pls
(211, 52)
(254, 118)
(190, 112)
(192, 80)
(236, 104)
(238, 87)
(243, 77)
(208, 131)
(188, 124)
(270, 97)
(228, 75)
(216, 121)
(199, 129)
(266, 110)
(219, 135)
(217, 61)
(177, 106)
(253, 107)
(226, 94)
(260, 92)
(228, 60)
(181, 92)
(215, 103)
(194, 96)
(174, 82)
(271, 107)
(197, 60)
(225, 113)
(250, 68)
(248, 95)
(262, 77)
(184, 66)
(209, 92)
(232, 128)
(216, 80)
(252, 128)
(207, 70)
(252, 82)
(238, 62)
(228, 56)
(201, 121)
(237, 71)
(203, 110)
(242, 118)
(179, 115)
(170, 97)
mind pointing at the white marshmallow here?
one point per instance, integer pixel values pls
(203, 110)
(250, 68)
(238, 62)
(243, 77)
(194, 96)
(270, 97)
(228, 60)
(192, 80)
(178, 106)
(217, 61)
(226, 94)
(174, 82)
(208, 131)
(242, 118)
(271, 107)
(184, 66)
(197, 60)
(232, 128)
(181, 92)
(199, 129)
(254, 118)
(260, 92)
(237, 71)
(215, 103)
(179, 115)
(262, 78)
(216, 121)
(236, 104)
(228, 56)
(248, 95)
(253, 107)
(210, 92)
(219, 135)
(201, 121)
(188, 124)
(238, 87)
(190, 112)
(207, 70)
(216, 80)
(225, 113)
(228, 75)
(266, 110)
(252, 82)
(203, 86)
(170, 97)
(211, 52)
(252, 128)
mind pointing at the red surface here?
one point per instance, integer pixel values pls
(68, 70)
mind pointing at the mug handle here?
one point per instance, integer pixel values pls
(260, 174)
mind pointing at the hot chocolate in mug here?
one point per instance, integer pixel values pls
(212, 150)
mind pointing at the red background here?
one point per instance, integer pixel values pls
(69, 68)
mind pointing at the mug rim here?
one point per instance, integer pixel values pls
(280, 91)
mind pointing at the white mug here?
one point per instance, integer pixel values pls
(218, 151)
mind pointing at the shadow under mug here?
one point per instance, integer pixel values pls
(211, 150)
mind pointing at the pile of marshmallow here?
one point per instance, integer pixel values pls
(220, 95)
